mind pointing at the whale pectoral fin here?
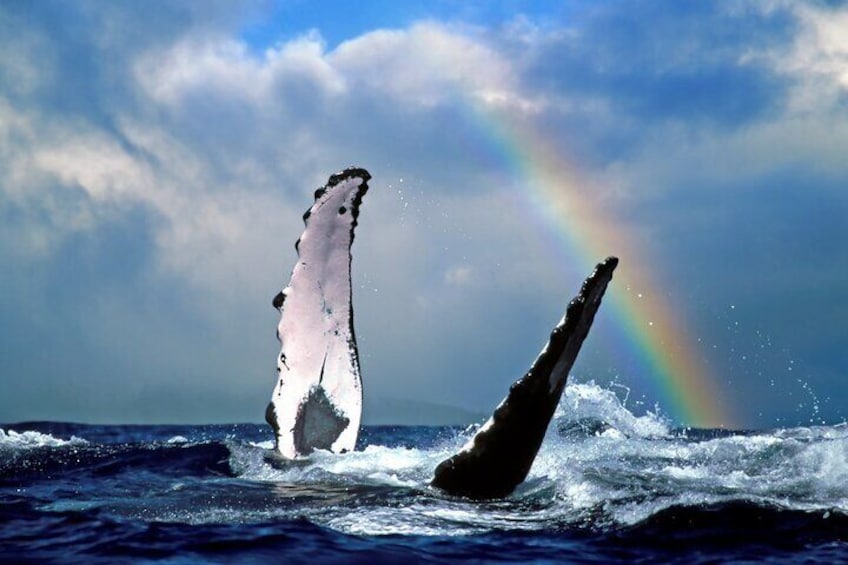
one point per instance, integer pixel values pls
(499, 456)
(317, 401)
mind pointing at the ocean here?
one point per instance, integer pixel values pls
(608, 486)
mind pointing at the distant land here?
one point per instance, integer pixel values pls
(406, 412)
(377, 412)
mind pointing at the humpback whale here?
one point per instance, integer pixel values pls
(317, 400)
(499, 456)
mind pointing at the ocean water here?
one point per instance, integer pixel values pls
(607, 486)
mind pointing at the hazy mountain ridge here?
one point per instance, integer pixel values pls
(404, 411)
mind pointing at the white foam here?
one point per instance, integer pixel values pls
(620, 475)
(391, 466)
(590, 401)
(33, 440)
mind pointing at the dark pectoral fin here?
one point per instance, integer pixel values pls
(501, 454)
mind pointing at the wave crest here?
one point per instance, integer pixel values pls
(589, 409)
(33, 440)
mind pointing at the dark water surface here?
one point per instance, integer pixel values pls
(607, 486)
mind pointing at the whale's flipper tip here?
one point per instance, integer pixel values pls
(499, 456)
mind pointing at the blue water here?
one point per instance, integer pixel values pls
(607, 487)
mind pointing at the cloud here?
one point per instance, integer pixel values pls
(427, 64)
(210, 162)
(818, 57)
(166, 133)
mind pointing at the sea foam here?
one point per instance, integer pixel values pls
(32, 440)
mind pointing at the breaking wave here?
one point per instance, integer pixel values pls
(602, 473)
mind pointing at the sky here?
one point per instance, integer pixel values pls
(156, 159)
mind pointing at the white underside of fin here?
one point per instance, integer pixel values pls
(317, 402)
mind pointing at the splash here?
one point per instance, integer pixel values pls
(32, 440)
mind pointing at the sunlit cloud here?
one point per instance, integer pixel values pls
(204, 148)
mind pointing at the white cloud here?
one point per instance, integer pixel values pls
(819, 56)
(426, 64)
(805, 130)
(227, 69)
(222, 145)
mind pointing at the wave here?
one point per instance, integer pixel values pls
(601, 468)
(588, 409)
(79, 460)
(31, 439)
(719, 533)
(737, 524)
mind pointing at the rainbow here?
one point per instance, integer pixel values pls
(649, 330)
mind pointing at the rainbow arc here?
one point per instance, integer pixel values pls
(648, 328)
